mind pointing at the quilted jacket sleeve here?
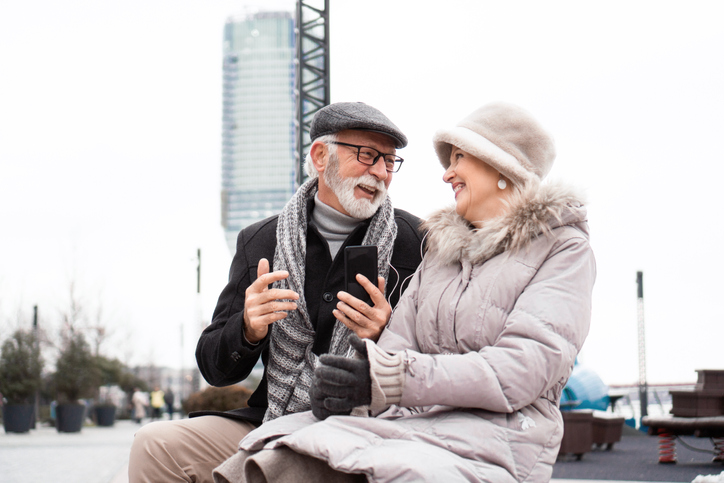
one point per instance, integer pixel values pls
(403, 317)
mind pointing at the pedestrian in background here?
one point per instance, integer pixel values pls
(138, 402)
(157, 403)
(168, 398)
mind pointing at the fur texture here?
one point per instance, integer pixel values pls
(506, 137)
(534, 210)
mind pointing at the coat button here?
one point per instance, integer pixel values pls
(328, 297)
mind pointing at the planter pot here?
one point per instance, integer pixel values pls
(577, 432)
(69, 417)
(18, 418)
(607, 429)
(710, 380)
(105, 415)
(697, 403)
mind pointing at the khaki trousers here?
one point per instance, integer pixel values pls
(185, 450)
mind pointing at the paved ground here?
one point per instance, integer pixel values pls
(95, 455)
(100, 455)
(635, 458)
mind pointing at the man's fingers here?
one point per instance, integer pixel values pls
(350, 317)
(364, 328)
(365, 325)
(271, 307)
(379, 296)
(262, 283)
(275, 294)
(350, 303)
(375, 293)
(262, 268)
(267, 319)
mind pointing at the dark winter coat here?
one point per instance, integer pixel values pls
(223, 355)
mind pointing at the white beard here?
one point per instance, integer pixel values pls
(343, 188)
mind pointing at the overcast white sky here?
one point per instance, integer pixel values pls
(110, 130)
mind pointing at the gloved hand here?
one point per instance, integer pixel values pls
(340, 383)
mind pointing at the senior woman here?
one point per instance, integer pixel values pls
(465, 382)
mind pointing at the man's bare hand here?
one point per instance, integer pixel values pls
(264, 306)
(365, 321)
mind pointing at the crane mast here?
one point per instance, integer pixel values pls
(311, 82)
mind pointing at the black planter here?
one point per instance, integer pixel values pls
(69, 417)
(18, 418)
(105, 415)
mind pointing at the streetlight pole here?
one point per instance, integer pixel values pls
(643, 387)
(37, 347)
(195, 377)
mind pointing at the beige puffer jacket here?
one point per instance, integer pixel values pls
(490, 325)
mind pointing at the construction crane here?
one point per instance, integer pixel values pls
(311, 87)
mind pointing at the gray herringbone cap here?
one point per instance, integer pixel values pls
(339, 116)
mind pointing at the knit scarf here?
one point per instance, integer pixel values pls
(291, 360)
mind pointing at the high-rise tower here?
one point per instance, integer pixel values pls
(258, 167)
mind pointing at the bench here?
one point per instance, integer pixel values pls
(669, 427)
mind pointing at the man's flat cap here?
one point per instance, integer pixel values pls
(339, 116)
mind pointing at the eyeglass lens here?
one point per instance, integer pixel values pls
(369, 156)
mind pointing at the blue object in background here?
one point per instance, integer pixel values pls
(585, 390)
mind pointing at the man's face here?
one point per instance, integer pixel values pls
(351, 187)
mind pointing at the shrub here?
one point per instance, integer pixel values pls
(20, 368)
(77, 374)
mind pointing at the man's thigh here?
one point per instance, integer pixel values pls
(185, 450)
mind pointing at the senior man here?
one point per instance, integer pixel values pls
(305, 313)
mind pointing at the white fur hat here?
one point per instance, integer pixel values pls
(504, 136)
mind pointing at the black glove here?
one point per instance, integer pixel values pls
(340, 383)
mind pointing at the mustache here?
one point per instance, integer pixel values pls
(369, 180)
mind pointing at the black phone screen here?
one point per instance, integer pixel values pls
(360, 259)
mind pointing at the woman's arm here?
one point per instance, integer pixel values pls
(400, 332)
(535, 350)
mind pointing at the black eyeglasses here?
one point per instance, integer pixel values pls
(369, 156)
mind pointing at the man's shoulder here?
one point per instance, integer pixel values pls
(264, 229)
(258, 240)
(409, 247)
(408, 225)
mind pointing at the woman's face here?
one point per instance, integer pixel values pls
(475, 183)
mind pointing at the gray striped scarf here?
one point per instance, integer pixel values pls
(291, 360)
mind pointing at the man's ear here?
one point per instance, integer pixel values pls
(318, 153)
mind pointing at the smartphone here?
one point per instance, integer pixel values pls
(360, 259)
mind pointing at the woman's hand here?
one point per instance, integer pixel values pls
(341, 383)
(365, 321)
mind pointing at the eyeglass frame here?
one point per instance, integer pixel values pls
(397, 162)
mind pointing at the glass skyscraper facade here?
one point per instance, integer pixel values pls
(258, 168)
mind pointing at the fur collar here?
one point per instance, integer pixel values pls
(536, 209)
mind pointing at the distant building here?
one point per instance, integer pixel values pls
(258, 169)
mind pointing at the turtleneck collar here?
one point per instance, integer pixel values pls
(334, 226)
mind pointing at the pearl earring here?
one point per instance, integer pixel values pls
(501, 183)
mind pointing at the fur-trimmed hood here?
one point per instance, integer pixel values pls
(535, 210)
